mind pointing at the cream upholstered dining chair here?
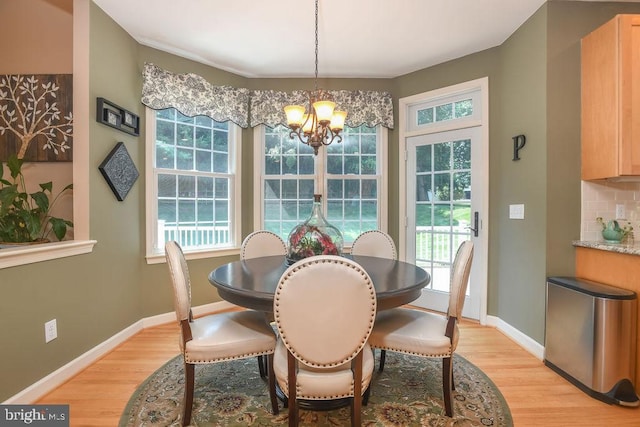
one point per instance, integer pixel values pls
(374, 243)
(425, 334)
(217, 337)
(262, 243)
(257, 244)
(324, 308)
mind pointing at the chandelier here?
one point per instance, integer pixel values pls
(318, 124)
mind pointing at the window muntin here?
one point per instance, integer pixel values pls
(288, 181)
(349, 177)
(194, 182)
(444, 112)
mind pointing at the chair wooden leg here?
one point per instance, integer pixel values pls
(261, 366)
(292, 392)
(293, 411)
(356, 411)
(453, 381)
(383, 355)
(272, 385)
(365, 396)
(356, 402)
(189, 374)
(447, 379)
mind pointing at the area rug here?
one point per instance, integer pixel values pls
(407, 393)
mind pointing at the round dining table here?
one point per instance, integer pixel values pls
(252, 283)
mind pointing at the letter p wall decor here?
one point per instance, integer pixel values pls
(519, 142)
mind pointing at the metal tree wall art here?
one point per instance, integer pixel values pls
(36, 119)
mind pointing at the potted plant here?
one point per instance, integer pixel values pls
(612, 232)
(26, 217)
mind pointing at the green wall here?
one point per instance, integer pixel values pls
(534, 90)
(517, 247)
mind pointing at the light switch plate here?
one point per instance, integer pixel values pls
(620, 213)
(50, 330)
(516, 211)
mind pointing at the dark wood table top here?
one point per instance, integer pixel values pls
(252, 283)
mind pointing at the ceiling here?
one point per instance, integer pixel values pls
(357, 38)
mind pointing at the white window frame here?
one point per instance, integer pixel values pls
(321, 178)
(157, 256)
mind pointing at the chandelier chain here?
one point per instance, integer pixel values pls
(316, 80)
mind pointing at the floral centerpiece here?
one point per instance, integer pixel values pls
(315, 236)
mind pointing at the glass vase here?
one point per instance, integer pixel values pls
(315, 236)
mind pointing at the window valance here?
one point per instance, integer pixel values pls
(192, 95)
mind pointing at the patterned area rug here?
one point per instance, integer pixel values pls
(407, 393)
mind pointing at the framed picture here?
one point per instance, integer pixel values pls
(117, 117)
(119, 171)
(36, 117)
(130, 120)
(112, 118)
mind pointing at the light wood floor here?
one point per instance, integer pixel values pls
(535, 394)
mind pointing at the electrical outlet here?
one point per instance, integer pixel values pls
(50, 330)
(620, 213)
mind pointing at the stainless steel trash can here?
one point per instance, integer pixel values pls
(590, 337)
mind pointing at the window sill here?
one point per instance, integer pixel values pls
(11, 257)
(159, 258)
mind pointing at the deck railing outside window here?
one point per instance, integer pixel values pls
(192, 236)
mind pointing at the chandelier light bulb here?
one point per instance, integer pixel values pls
(295, 115)
(337, 121)
(324, 111)
(308, 124)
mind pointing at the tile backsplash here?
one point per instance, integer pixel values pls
(601, 198)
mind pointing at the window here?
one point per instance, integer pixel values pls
(443, 111)
(351, 176)
(193, 183)
(446, 111)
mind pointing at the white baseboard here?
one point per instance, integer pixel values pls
(38, 389)
(64, 373)
(520, 338)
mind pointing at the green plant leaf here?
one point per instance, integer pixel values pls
(42, 201)
(59, 227)
(15, 166)
(7, 197)
(47, 186)
(30, 227)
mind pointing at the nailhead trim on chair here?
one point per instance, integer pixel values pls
(371, 320)
(392, 245)
(413, 353)
(242, 356)
(284, 247)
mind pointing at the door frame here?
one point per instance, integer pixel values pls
(481, 242)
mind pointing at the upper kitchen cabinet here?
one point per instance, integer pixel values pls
(611, 100)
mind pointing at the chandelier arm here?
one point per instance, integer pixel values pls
(334, 137)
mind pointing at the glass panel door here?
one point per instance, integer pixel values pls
(441, 208)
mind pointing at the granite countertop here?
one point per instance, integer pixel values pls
(623, 248)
